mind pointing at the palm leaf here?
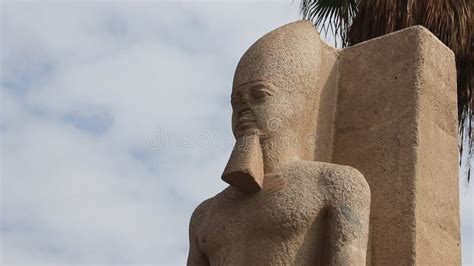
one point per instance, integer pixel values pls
(330, 16)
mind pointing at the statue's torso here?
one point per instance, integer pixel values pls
(285, 223)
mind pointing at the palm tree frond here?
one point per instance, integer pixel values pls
(355, 21)
(332, 16)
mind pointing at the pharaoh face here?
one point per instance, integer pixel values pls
(273, 101)
(260, 107)
(274, 83)
(250, 104)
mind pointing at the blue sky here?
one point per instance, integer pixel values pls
(115, 124)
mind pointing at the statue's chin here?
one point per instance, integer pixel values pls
(245, 167)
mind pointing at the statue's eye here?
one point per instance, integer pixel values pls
(260, 93)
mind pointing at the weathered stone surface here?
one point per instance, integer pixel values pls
(306, 212)
(396, 123)
(301, 112)
(311, 213)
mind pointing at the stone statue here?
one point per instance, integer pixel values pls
(283, 207)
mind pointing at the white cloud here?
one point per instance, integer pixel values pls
(89, 91)
(466, 195)
(107, 109)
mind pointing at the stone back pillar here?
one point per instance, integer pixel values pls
(326, 102)
(396, 122)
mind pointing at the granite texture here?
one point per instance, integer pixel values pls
(300, 211)
(305, 117)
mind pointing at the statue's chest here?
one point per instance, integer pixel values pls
(282, 210)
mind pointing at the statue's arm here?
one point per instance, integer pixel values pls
(349, 220)
(196, 256)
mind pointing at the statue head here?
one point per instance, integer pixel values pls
(274, 97)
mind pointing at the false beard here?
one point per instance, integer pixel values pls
(245, 167)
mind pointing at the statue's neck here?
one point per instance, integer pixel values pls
(278, 152)
(255, 155)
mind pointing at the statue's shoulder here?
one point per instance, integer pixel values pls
(324, 169)
(207, 206)
(329, 174)
(200, 212)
